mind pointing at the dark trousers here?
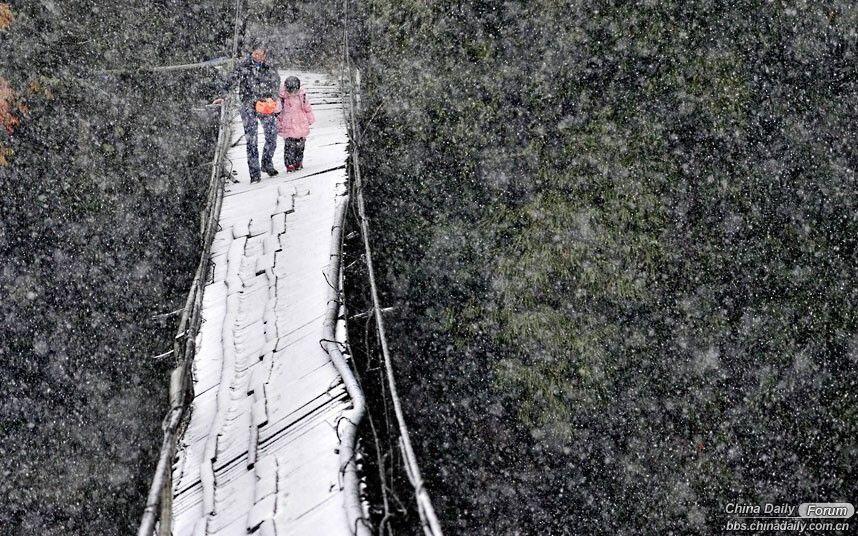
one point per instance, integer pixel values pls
(293, 151)
(269, 127)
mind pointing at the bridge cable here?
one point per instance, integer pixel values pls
(158, 510)
(429, 520)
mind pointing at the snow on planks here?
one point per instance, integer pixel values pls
(260, 450)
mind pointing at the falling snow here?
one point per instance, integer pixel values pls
(617, 241)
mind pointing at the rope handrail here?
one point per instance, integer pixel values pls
(428, 517)
(214, 62)
(159, 499)
(160, 491)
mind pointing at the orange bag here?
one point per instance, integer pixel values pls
(266, 106)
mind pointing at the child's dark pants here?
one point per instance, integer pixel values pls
(293, 151)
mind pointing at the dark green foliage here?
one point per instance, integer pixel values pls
(100, 217)
(621, 240)
(301, 33)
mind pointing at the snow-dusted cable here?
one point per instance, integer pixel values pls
(178, 67)
(159, 498)
(347, 424)
(429, 519)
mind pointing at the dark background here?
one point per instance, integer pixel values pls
(103, 177)
(620, 240)
(100, 218)
(619, 237)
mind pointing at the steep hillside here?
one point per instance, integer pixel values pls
(101, 192)
(620, 241)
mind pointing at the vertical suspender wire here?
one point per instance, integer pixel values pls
(429, 520)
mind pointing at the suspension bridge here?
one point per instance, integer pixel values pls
(261, 433)
(261, 448)
(261, 436)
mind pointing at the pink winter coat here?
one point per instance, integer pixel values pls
(296, 116)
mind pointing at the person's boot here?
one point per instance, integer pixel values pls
(255, 178)
(269, 168)
(299, 165)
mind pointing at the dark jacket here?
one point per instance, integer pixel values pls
(255, 81)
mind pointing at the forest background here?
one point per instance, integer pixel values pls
(619, 239)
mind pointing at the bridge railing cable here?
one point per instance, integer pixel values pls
(426, 510)
(157, 513)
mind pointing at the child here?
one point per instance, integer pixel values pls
(294, 122)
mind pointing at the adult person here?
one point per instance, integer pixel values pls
(258, 86)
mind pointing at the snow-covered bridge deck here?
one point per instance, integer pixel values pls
(260, 450)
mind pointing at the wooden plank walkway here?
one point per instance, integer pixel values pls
(260, 451)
